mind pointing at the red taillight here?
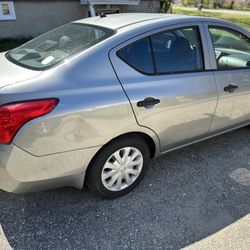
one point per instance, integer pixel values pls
(14, 116)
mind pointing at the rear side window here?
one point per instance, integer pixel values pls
(178, 50)
(138, 55)
(232, 48)
(168, 52)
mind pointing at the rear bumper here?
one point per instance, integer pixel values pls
(22, 172)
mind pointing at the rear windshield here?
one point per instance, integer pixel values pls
(55, 46)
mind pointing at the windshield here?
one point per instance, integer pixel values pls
(55, 46)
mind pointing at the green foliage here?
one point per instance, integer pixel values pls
(232, 4)
(189, 2)
(166, 6)
(207, 3)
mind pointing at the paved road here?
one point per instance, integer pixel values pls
(197, 197)
(224, 11)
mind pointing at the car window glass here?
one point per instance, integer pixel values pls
(178, 50)
(232, 49)
(57, 45)
(138, 55)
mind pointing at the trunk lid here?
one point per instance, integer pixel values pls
(11, 73)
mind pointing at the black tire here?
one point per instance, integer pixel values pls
(94, 171)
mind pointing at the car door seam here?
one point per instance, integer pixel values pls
(130, 102)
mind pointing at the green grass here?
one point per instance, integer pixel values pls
(7, 44)
(210, 6)
(242, 20)
(241, 8)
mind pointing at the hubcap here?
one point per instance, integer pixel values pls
(122, 169)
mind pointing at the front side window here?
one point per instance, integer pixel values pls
(178, 50)
(7, 11)
(57, 45)
(232, 48)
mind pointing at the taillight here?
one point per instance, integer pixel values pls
(14, 116)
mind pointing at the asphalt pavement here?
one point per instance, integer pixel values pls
(197, 197)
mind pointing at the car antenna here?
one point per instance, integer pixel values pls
(101, 14)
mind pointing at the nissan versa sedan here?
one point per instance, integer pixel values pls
(95, 100)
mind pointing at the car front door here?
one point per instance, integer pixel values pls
(230, 55)
(165, 77)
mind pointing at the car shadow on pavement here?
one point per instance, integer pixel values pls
(186, 196)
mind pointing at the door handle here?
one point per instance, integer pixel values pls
(231, 88)
(149, 101)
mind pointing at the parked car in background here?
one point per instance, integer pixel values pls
(95, 100)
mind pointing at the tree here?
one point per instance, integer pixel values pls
(219, 3)
(200, 5)
(166, 6)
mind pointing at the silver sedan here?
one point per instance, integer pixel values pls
(95, 100)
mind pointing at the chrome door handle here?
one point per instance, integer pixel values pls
(149, 101)
(231, 88)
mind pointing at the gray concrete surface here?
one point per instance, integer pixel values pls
(233, 237)
(195, 198)
(4, 244)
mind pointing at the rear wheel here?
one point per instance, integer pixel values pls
(119, 167)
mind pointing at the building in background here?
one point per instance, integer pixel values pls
(30, 18)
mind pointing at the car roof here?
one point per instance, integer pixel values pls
(118, 21)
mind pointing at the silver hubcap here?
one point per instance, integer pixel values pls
(122, 169)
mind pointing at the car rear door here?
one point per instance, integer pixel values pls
(164, 74)
(230, 59)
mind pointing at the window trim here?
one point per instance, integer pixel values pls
(153, 54)
(12, 15)
(218, 26)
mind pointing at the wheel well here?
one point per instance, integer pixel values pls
(150, 142)
(145, 137)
